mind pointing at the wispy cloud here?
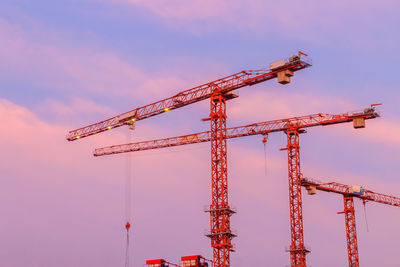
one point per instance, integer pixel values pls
(306, 20)
(52, 170)
(56, 64)
(77, 106)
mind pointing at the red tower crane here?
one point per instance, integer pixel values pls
(350, 192)
(218, 91)
(293, 127)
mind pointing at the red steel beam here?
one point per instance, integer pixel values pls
(349, 211)
(343, 189)
(297, 248)
(220, 212)
(184, 98)
(234, 132)
(351, 231)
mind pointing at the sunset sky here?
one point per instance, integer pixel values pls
(68, 63)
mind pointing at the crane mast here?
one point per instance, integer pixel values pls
(297, 248)
(220, 212)
(349, 193)
(259, 128)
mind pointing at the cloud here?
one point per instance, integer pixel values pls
(57, 192)
(59, 198)
(272, 104)
(383, 132)
(48, 62)
(77, 106)
(62, 206)
(280, 104)
(301, 20)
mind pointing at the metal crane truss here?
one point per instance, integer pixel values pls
(225, 86)
(365, 194)
(351, 231)
(234, 132)
(297, 249)
(349, 192)
(220, 232)
(220, 214)
(218, 91)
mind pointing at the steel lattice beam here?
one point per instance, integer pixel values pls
(234, 132)
(349, 211)
(297, 248)
(343, 189)
(220, 230)
(190, 96)
(220, 212)
(351, 231)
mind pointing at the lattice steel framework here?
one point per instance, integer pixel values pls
(190, 96)
(266, 127)
(218, 91)
(219, 209)
(349, 211)
(351, 231)
(297, 248)
(220, 212)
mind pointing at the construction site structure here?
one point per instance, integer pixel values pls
(349, 192)
(219, 91)
(259, 128)
(159, 263)
(195, 261)
(225, 86)
(292, 127)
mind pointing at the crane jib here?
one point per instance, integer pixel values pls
(199, 93)
(314, 120)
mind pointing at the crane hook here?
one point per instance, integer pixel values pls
(127, 226)
(264, 141)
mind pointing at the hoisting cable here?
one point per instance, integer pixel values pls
(365, 214)
(265, 139)
(127, 226)
(128, 199)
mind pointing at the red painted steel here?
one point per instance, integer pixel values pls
(220, 212)
(160, 263)
(292, 126)
(155, 261)
(297, 248)
(343, 189)
(184, 98)
(351, 231)
(218, 91)
(234, 132)
(349, 211)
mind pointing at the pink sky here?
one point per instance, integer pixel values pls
(65, 200)
(62, 69)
